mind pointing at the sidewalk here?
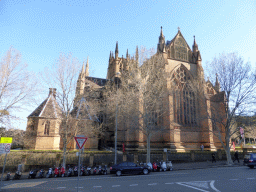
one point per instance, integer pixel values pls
(176, 167)
(203, 165)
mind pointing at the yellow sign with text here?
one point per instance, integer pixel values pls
(6, 140)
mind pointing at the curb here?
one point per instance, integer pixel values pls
(25, 175)
(215, 166)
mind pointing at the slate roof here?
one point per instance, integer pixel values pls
(98, 81)
(84, 110)
(49, 108)
(219, 97)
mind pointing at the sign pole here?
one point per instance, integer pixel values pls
(78, 168)
(3, 172)
(80, 141)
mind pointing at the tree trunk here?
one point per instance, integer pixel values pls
(64, 152)
(228, 155)
(148, 148)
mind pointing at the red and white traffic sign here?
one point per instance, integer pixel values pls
(7, 148)
(80, 141)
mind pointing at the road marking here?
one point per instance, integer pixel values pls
(23, 185)
(115, 185)
(61, 187)
(191, 187)
(169, 183)
(152, 184)
(233, 179)
(97, 186)
(212, 186)
(251, 178)
(134, 185)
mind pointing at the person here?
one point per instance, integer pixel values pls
(236, 157)
(202, 147)
(213, 157)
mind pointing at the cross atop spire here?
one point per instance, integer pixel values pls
(178, 28)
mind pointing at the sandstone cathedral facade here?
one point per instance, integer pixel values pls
(186, 129)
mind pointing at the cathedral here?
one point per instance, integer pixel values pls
(186, 128)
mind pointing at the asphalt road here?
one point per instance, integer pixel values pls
(211, 179)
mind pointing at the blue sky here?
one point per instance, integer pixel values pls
(41, 29)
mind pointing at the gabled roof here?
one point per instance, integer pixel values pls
(179, 33)
(49, 108)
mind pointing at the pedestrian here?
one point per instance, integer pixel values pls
(236, 157)
(202, 147)
(213, 157)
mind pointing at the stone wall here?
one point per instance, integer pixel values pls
(49, 159)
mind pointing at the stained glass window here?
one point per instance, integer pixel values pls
(184, 104)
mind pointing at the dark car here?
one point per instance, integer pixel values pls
(250, 160)
(128, 168)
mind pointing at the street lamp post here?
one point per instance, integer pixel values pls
(116, 137)
(116, 81)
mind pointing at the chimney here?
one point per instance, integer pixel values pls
(52, 91)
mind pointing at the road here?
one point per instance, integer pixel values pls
(212, 179)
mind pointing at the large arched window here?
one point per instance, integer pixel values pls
(184, 99)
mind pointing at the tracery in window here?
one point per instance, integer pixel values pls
(181, 49)
(184, 99)
(210, 89)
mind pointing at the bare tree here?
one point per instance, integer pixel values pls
(238, 85)
(140, 98)
(17, 86)
(63, 75)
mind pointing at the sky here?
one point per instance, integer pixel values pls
(42, 29)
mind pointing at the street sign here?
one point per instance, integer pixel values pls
(80, 141)
(5, 148)
(76, 144)
(6, 140)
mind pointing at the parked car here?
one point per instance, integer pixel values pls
(250, 160)
(128, 168)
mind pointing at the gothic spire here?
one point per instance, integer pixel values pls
(161, 33)
(87, 67)
(195, 46)
(116, 51)
(137, 53)
(217, 83)
(161, 42)
(82, 71)
(127, 55)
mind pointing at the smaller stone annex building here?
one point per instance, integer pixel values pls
(43, 125)
(186, 131)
